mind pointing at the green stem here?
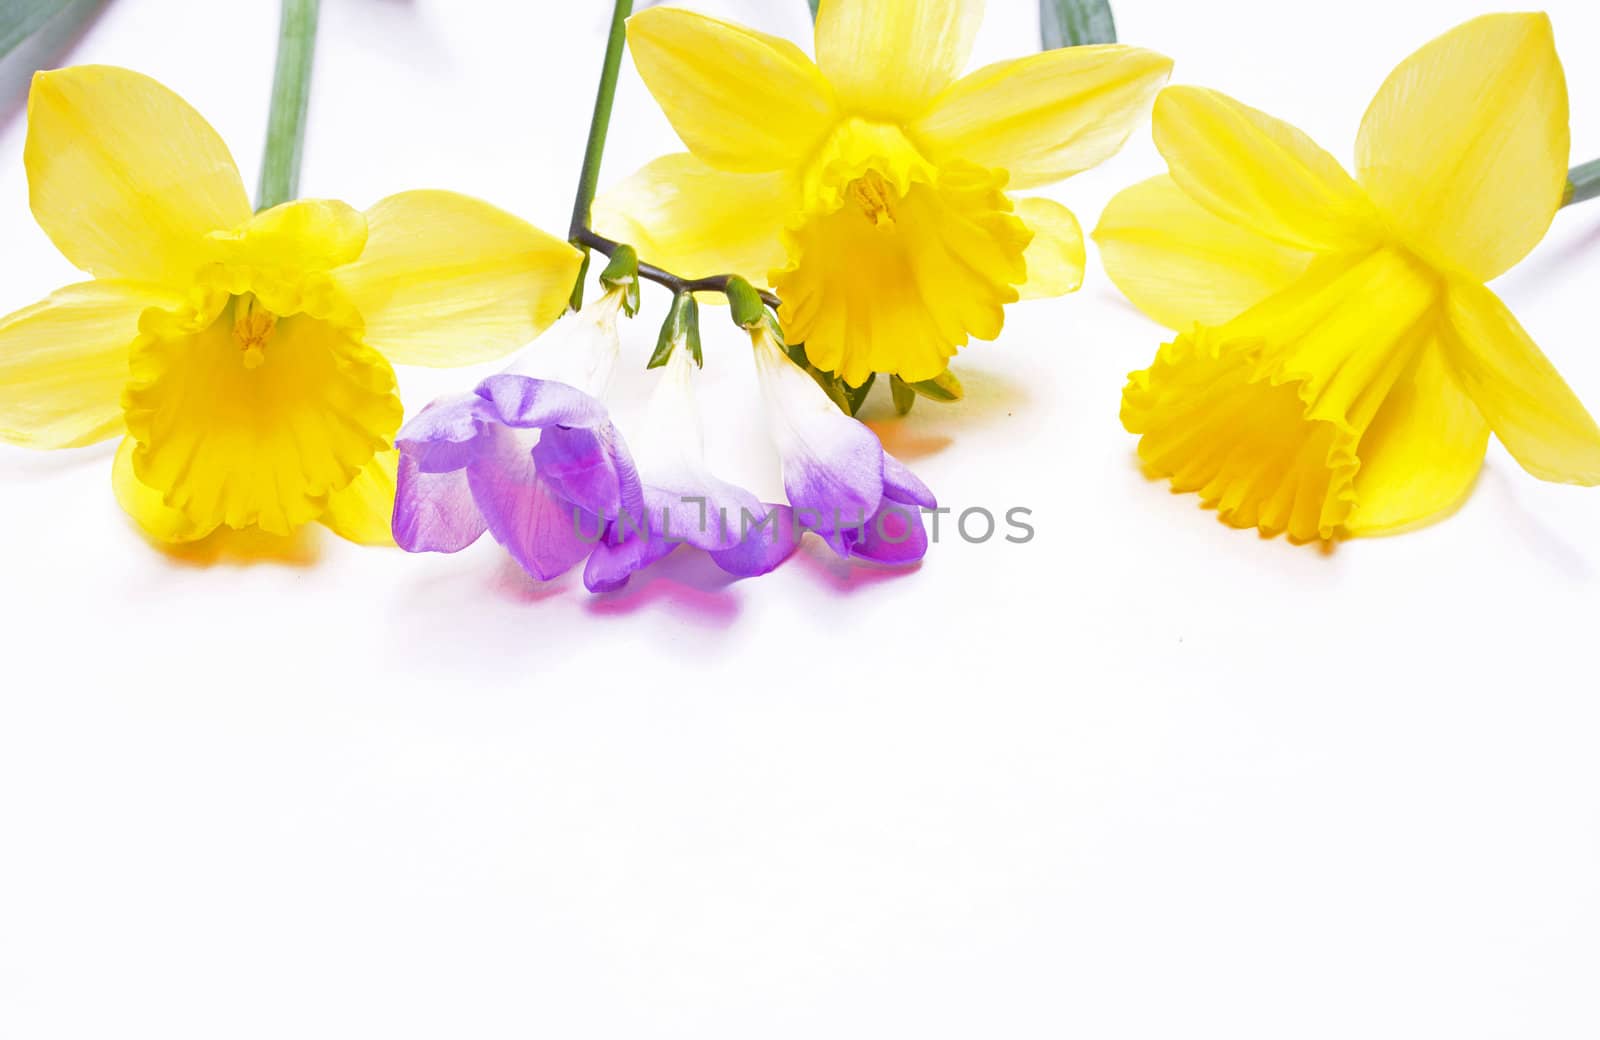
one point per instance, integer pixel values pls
(579, 233)
(1583, 183)
(599, 125)
(291, 92)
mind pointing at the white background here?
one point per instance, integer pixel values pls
(1144, 777)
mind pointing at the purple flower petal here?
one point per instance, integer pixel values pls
(902, 485)
(542, 531)
(443, 436)
(528, 403)
(896, 535)
(762, 546)
(577, 464)
(612, 565)
(701, 510)
(434, 512)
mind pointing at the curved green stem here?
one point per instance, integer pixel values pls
(291, 93)
(579, 233)
(599, 126)
(1583, 183)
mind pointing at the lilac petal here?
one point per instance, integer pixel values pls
(442, 437)
(902, 485)
(762, 546)
(843, 469)
(611, 565)
(577, 465)
(528, 403)
(542, 531)
(896, 535)
(434, 512)
(700, 509)
(832, 464)
(836, 483)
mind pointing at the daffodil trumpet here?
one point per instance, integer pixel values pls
(874, 193)
(1339, 362)
(243, 358)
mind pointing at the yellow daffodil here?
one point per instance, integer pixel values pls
(870, 187)
(245, 357)
(1340, 363)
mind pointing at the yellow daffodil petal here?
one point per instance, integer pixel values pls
(259, 436)
(449, 280)
(143, 503)
(1465, 147)
(1264, 416)
(1055, 256)
(1422, 452)
(697, 221)
(1533, 411)
(124, 176)
(303, 235)
(1047, 116)
(741, 100)
(1182, 264)
(888, 59)
(64, 361)
(1261, 173)
(362, 512)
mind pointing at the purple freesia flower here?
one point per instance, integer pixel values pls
(537, 464)
(841, 483)
(532, 457)
(685, 503)
(534, 461)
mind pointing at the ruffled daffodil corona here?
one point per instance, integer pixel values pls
(1340, 364)
(870, 187)
(244, 358)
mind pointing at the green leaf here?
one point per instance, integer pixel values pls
(20, 19)
(1583, 183)
(814, 5)
(45, 27)
(904, 396)
(944, 388)
(1072, 23)
(857, 395)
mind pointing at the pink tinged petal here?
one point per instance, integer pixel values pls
(543, 532)
(762, 546)
(580, 466)
(610, 566)
(434, 512)
(896, 535)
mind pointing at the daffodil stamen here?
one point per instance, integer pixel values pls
(872, 192)
(873, 195)
(252, 327)
(244, 355)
